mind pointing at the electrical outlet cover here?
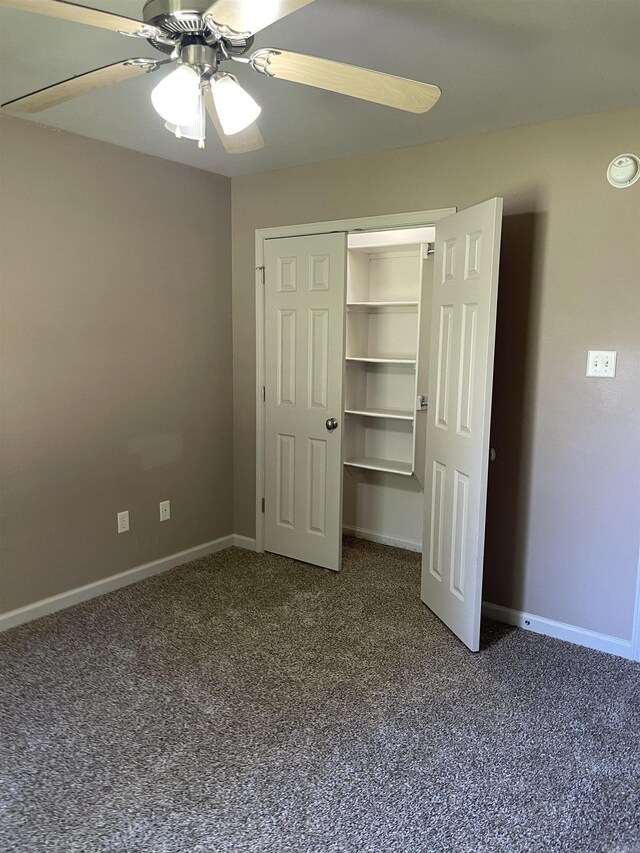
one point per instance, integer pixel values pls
(601, 363)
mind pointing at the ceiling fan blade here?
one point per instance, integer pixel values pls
(246, 17)
(398, 92)
(246, 140)
(81, 85)
(85, 15)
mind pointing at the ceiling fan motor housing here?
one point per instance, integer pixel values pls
(182, 22)
(201, 57)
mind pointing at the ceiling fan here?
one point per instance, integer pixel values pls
(200, 37)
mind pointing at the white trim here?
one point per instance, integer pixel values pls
(635, 634)
(559, 630)
(538, 624)
(394, 541)
(93, 590)
(388, 222)
(260, 382)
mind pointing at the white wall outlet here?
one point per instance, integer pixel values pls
(601, 363)
(165, 510)
(123, 521)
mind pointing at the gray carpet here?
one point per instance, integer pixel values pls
(246, 702)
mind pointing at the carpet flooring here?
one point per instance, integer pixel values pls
(246, 702)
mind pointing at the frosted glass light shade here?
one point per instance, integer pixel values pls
(236, 108)
(195, 130)
(176, 98)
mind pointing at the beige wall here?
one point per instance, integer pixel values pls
(116, 352)
(562, 535)
(116, 359)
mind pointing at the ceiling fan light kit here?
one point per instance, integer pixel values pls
(236, 108)
(176, 97)
(199, 36)
(195, 129)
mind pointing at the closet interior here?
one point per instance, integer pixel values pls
(388, 298)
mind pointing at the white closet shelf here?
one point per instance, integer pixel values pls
(373, 360)
(369, 307)
(396, 414)
(401, 237)
(371, 463)
(382, 344)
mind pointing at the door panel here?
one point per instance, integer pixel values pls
(304, 348)
(285, 467)
(317, 486)
(465, 291)
(286, 357)
(317, 380)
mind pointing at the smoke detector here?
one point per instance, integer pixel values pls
(623, 171)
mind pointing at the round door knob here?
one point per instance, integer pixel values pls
(331, 424)
(492, 454)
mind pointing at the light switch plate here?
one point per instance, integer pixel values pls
(601, 363)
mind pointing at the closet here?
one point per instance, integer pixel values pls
(384, 336)
(389, 275)
(375, 362)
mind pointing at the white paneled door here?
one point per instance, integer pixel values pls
(304, 351)
(465, 292)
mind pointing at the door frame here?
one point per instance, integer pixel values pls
(635, 630)
(386, 222)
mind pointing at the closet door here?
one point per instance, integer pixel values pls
(304, 351)
(463, 321)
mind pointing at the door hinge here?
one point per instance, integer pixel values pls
(261, 273)
(262, 504)
(263, 393)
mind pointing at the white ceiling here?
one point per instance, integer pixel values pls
(499, 63)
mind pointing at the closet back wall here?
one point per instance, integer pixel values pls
(115, 269)
(562, 534)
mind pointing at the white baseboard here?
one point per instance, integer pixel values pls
(635, 636)
(92, 590)
(538, 624)
(559, 630)
(363, 533)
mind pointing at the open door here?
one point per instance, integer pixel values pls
(304, 358)
(463, 322)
